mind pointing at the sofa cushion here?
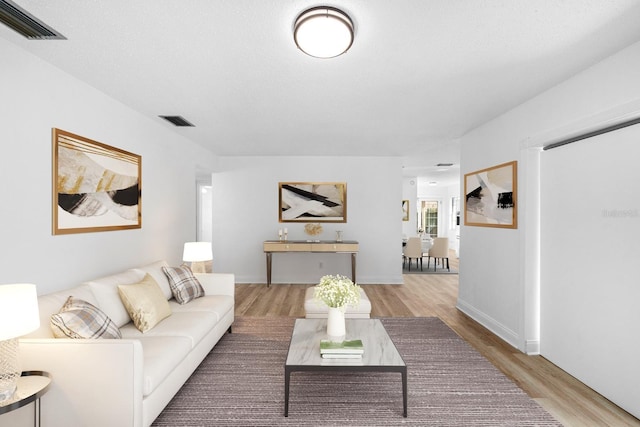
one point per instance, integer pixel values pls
(217, 304)
(192, 325)
(80, 319)
(184, 285)
(145, 303)
(155, 270)
(106, 291)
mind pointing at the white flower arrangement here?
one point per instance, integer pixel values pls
(337, 291)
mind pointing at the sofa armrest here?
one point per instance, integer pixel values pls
(94, 382)
(217, 283)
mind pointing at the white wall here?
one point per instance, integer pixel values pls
(36, 97)
(245, 214)
(499, 268)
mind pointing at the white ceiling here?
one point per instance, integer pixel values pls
(420, 74)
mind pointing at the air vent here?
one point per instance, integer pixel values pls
(444, 164)
(26, 24)
(177, 120)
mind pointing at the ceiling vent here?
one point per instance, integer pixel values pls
(442, 165)
(177, 121)
(26, 24)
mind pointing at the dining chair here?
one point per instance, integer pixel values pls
(439, 251)
(413, 250)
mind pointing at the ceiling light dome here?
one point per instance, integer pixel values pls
(323, 32)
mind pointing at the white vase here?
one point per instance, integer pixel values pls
(335, 324)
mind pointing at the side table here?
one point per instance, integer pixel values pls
(31, 386)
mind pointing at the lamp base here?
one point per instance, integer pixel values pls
(9, 368)
(199, 266)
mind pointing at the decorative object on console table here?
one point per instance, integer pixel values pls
(337, 292)
(96, 187)
(198, 254)
(281, 234)
(18, 316)
(312, 202)
(491, 197)
(313, 229)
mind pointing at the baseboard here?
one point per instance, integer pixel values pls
(532, 347)
(506, 334)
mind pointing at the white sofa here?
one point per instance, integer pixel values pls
(128, 381)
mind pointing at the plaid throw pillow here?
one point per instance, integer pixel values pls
(80, 319)
(184, 285)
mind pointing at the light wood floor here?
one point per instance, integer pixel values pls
(570, 401)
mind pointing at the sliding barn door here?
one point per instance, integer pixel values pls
(590, 262)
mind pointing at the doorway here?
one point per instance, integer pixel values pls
(428, 218)
(204, 210)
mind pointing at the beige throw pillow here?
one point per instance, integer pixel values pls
(145, 303)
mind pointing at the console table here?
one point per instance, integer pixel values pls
(323, 246)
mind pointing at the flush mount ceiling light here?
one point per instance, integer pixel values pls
(323, 32)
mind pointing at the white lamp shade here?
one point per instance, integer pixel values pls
(197, 251)
(18, 310)
(323, 32)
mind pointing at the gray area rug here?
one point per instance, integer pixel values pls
(425, 270)
(241, 383)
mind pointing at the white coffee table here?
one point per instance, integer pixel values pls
(380, 354)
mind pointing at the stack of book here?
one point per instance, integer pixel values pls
(349, 349)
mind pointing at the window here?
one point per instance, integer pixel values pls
(429, 217)
(455, 212)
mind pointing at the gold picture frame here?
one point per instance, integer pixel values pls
(96, 187)
(405, 210)
(491, 196)
(312, 202)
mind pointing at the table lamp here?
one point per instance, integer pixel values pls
(18, 316)
(197, 253)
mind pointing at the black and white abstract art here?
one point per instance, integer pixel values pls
(491, 196)
(312, 202)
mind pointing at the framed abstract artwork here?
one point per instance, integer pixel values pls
(491, 197)
(96, 187)
(312, 202)
(405, 210)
